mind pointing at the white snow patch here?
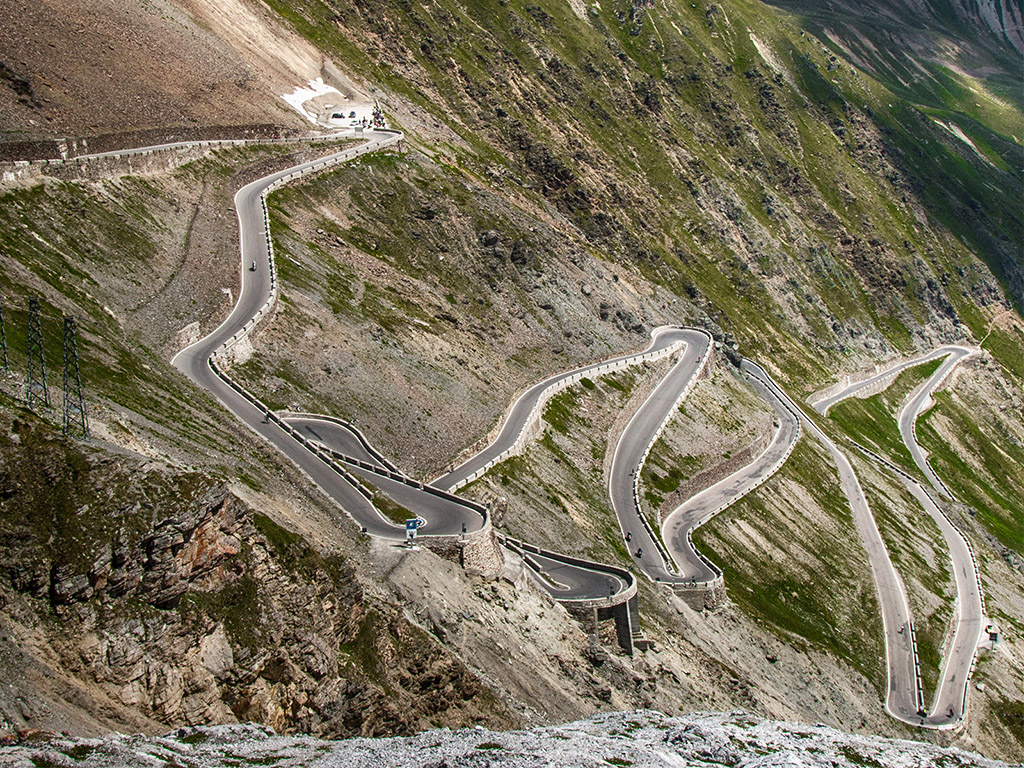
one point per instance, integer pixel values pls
(579, 8)
(312, 90)
(771, 59)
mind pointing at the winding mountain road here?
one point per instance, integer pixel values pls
(950, 701)
(903, 698)
(822, 405)
(631, 451)
(329, 451)
(257, 291)
(335, 456)
(701, 507)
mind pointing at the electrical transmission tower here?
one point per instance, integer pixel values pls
(5, 362)
(75, 421)
(36, 393)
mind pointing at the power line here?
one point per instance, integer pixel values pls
(75, 422)
(36, 392)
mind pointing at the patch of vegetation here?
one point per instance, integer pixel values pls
(80, 751)
(809, 588)
(238, 605)
(984, 469)
(562, 410)
(710, 410)
(872, 421)
(1008, 348)
(295, 553)
(387, 506)
(855, 757)
(1009, 713)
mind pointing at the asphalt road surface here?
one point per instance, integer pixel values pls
(948, 706)
(631, 452)
(565, 581)
(701, 507)
(335, 435)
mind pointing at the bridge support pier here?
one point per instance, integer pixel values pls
(626, 616)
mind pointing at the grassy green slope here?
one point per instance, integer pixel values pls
(975, 452)
(871, 421)
(796, 200)
(786, 552)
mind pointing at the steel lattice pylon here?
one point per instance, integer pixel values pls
(36, 392)
(5, 362)
(75, 422)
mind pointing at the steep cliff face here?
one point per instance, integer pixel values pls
(135, 596)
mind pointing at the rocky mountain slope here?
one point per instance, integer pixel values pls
(575, 174)
(640, 739)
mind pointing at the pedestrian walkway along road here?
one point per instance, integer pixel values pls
(341, 462)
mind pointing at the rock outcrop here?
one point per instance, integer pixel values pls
(159, 594)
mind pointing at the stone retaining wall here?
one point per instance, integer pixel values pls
(702, 598)
(477, 553)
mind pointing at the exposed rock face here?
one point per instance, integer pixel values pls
(640, 739)
(173, 600)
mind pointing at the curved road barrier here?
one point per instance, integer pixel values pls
(527, 408)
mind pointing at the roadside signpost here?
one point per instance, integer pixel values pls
(411, 526)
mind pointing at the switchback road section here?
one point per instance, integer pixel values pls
(679, 525)
(332, 453)
(950, 702)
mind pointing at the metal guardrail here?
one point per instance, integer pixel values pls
(351, 427)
